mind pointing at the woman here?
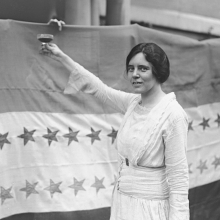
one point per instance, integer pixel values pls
(152, 139)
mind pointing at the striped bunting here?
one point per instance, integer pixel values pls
(58, 157)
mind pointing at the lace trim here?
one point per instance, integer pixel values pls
(139, 109)
(165, 102)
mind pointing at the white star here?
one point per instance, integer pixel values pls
(5, 194)
(98, 184)
(113, 135)
(94, 135)
(189, 166)
(71, 135)
(51, 136)
(77, 185)
(27, 136)
(53, 188)
(3, 140)
(30, 189)
(216, 162)
(202, 166)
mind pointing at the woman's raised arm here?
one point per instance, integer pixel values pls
(82, 80)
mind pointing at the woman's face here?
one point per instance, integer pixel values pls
(140, 74)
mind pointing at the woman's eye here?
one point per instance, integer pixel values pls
(130, 69)
(143, 69)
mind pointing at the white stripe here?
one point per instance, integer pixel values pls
(39, 162)
(203, 145)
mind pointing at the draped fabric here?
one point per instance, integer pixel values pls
(57, 151)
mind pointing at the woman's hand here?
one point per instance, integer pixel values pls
(52, 50)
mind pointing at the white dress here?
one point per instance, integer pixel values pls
(153, 178)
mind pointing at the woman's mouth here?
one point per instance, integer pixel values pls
(136, 83)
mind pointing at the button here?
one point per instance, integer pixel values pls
(127, 161)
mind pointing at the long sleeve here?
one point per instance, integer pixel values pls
(82, 80)
(177, 169)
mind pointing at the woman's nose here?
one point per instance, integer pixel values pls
(135, 73)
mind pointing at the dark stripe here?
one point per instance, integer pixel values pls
(27, 78)
(205, 202)
(20, 100)
(95, 214)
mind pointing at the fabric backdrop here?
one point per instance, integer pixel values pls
(57, 152)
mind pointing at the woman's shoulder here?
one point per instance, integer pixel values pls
(177, 112)
(134, 98)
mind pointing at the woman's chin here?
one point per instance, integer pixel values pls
(137, 91)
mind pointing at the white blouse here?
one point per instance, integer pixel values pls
(153, 171)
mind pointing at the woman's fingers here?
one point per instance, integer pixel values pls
(45, 50)
(51, 50)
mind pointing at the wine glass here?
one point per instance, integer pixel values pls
(45, 38)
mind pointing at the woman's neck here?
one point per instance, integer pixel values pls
(152, 98)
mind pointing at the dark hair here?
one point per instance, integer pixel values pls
(154, 55)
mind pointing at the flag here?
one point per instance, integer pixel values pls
(57, 152)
